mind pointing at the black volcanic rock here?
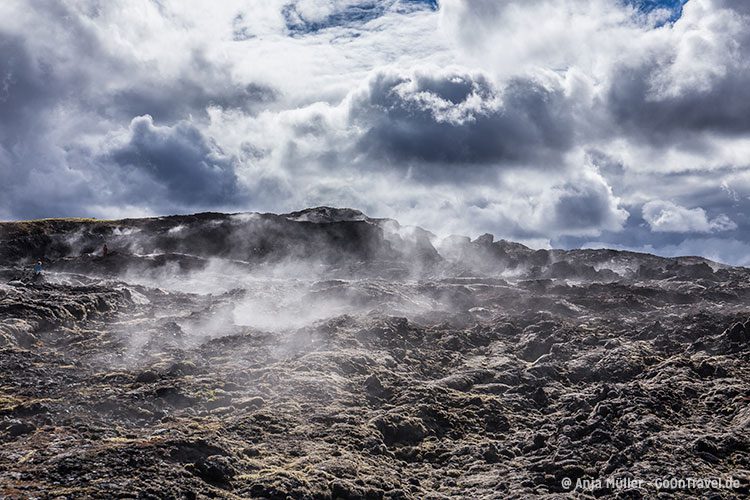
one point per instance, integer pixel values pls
(326, 354)
(485, 240)
(336, 237)
(327, 215)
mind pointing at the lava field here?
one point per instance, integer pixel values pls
(324, 354)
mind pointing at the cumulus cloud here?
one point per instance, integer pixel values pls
(584, 207)
(190, 167)
(456, 117)
(669, 217)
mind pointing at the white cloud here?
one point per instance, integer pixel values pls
(665, 216)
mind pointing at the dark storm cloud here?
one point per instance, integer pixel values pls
(32, 84)
(38, 73)
(25, 87)
(193, 170)
(31, 89)
(460, 118)
(724, 108)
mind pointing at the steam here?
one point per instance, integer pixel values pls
(208, 276)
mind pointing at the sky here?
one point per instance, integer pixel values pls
(556, 123)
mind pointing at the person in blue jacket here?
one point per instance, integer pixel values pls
(38, 268)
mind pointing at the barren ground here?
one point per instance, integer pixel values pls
(489, 381)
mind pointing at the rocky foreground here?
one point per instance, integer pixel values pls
(325, 354)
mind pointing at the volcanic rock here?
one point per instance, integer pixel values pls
(327, 354)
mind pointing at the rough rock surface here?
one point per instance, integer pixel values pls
(328, 355)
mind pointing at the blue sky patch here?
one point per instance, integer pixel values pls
(646, 6)
(351, 16)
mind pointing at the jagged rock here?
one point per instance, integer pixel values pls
(739, 333)
(484, 240)
(147, 377)
(18, 428)
(374, 387)
(397, 428)
(215, 469)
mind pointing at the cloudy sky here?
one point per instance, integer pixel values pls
(566, 123)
